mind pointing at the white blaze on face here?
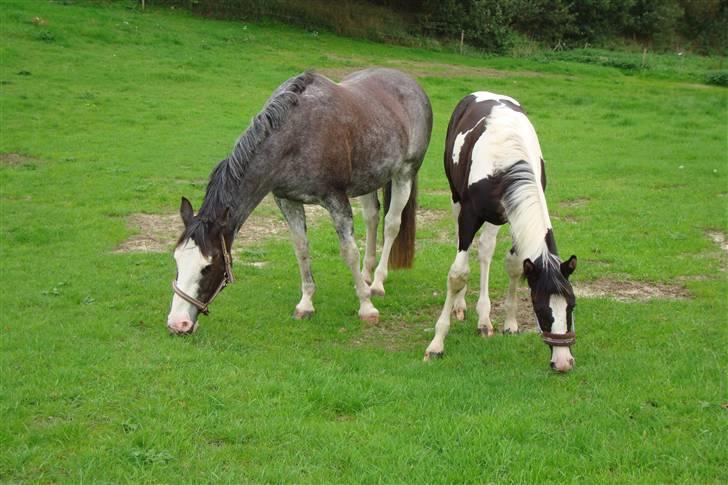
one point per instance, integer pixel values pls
(560, 356)
(190, 263)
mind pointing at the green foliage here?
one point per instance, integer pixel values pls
(495, 25)
(127, 110)
(718, 78)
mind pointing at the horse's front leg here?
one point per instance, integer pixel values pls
(514, 268)
(370, 212)
(485, 253)
(296, 219)
(338, 206)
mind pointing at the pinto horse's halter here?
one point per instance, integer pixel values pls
(558, 339)
(227, 278)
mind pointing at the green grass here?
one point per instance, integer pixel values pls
(113, 111)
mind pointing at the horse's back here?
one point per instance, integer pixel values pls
(487, 134)
(353, 136)
(394, 97)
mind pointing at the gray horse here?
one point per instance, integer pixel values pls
(314, 142)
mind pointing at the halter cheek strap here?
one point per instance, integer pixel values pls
(559, 339)
(227, 278)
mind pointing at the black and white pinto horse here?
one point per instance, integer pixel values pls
(494, 164)
(314, 142)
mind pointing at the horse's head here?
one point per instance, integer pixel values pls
(203, 268)
(553, 302)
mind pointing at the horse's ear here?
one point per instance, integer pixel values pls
(568, 266)
(529, 269)
(530, 272)
(185, 211)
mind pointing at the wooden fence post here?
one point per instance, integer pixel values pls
(462, 38)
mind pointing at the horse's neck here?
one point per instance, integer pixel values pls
(251, 194)
(530, 223)
(241, 197)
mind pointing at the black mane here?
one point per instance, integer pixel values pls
(222, 190)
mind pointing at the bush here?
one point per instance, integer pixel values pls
(718, 78)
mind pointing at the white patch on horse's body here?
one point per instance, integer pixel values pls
(459, 141)
(481, 96)
(190, 263)
(509, 138)
(560, 356)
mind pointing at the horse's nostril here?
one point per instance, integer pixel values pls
(553, 365)
(182, 327)
(571, 362)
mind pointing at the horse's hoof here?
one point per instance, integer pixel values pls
(433, 355)
(460, 314)
(485, 332)
(301, 314)
(377, 291)
(508, 331)
(374, 318)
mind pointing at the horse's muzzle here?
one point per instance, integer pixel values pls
(562, 365)
(182, 327)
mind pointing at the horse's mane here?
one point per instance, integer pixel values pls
(263, 124)
(226, 176)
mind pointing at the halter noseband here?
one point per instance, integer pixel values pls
(228, 278)
(558, 339)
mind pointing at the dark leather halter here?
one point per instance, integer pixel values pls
(558, 339)
(227, 278)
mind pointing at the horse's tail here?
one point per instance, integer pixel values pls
(403, 249)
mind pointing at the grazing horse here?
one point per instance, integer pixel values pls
(314, 142)
(496, 173)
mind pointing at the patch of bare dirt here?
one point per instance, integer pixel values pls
(159, 232)
(718, 238)
(574, 203)
(565, 219)
(629, 291)
(524, 313)
(15, 159)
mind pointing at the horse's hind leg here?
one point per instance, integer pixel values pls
(340, 210)
(370, 211)
(401, 188)
(514, 268)
(485, 253)
(296, 218)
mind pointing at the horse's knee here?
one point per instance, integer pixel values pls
(457, 278)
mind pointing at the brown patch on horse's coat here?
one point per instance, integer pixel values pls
(629, 291)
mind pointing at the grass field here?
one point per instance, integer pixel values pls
(109, 112)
